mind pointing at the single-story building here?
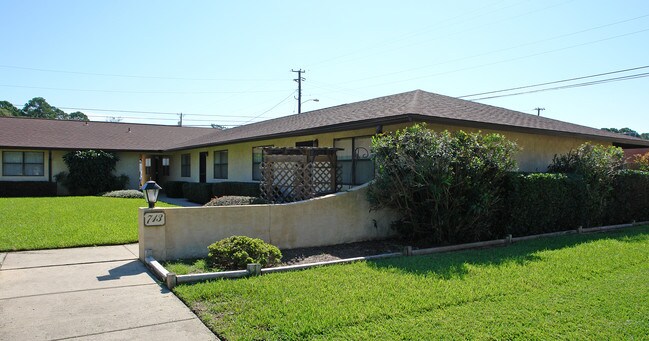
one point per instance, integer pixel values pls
(32, 149)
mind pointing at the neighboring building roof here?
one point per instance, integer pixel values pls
(19, 132)
(415, 105)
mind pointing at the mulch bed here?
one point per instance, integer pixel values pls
(340, 251)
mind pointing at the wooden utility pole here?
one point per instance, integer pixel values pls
(538, 111)
(299, 80)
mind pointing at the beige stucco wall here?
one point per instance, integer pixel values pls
(128, 164)
(338, 218)
(536, 153)
(536, 150)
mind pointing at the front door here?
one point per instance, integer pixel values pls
(202, 167)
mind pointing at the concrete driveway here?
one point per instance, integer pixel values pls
(90, 293)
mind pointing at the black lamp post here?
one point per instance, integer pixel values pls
(151, 190)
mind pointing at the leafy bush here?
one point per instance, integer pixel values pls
(598, 165)
(232, 200)
(248, 189)
(199, 193)
(630, 200)
(91, 172)
(236, 252)
(128, 193)
(541, 202)
(174, 189)
(642, 162)
(447, 187)
(27, 189)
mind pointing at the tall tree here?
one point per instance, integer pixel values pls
(8, 109)
(628, 131)
(38, 107)
(78, 116)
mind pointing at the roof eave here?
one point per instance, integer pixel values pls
(410, 117)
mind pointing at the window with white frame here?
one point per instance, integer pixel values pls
(23, 164)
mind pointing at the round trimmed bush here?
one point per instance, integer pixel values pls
(126, 193)
(232, 200)
(235, 252)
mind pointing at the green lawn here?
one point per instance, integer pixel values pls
(592, 286)
(43, 223)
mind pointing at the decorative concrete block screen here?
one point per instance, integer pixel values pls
(296, 174)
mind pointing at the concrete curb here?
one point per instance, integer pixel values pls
(171, 279)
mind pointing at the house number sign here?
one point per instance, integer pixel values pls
(154, 219)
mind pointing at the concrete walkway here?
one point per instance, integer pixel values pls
(177, 201)
(91, 293)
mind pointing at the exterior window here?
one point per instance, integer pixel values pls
(186, 165)
(23, 164)
(221, 164)
(256, 162)
(147, 166)
(165, 166)
(355, 160)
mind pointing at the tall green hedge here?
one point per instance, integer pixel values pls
(630, 199)
(447, 187)
(174, 189)
(541, 202)
(200, 193)
(246, 189)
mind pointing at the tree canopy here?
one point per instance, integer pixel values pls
(629, 132)
(38, 107)
(8, 109)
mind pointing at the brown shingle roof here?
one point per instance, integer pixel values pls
(413, 105)
(57, 134)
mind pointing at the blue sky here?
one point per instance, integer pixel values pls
(230, 62)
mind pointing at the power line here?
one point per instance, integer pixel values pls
(602, 81)
(498, 50)
(507, 60)
(140, 92)
(274, 106)
(555, 82)
(137, 76)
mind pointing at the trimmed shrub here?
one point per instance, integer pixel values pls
(446, 187)
(127, 193)
(541, 202)
(199, 193)
(247, 189)
(236, 252)
(232, 200)
(91, 172)
(630, 199)
(27, 189)
(174, 189)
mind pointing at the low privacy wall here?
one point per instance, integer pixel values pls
(333, 219)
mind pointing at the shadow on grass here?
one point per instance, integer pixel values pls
(455, 264)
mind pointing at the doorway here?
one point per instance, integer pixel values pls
(202, 167)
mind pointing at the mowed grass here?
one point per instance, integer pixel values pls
(57, 222)
(592, 286)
